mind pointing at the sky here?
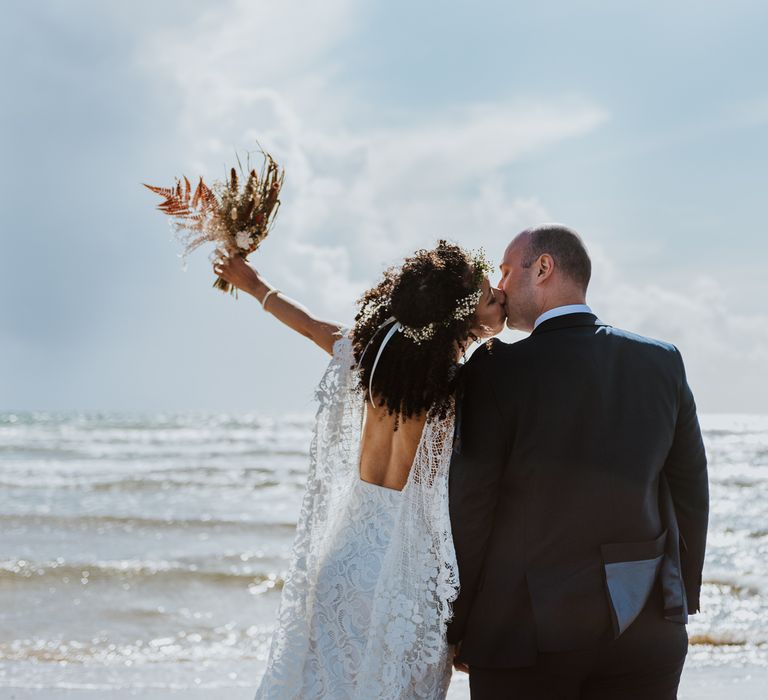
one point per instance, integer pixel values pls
(641, 125)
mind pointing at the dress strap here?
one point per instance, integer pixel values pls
(397, 326)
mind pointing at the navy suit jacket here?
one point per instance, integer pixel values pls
(578, 480)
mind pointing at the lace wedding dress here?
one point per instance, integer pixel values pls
(367, 599)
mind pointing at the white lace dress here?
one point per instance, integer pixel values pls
(367, 598)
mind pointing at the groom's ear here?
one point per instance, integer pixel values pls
(544, 267)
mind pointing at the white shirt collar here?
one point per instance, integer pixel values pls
(562, 311)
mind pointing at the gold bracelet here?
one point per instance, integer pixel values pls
(266, 296)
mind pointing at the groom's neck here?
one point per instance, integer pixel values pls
(553, 301)
(565, 301)
(564, 297)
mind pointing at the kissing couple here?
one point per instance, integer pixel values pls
(535, 516)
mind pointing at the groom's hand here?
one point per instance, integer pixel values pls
(458, 665)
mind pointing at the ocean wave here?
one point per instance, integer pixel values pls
(94, 452)
(135, 569)
(131, 522)
(715, 641)
(200, 644)
(733, 587)
(162, 419)
(146, 482)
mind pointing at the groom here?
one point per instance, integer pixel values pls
(578, 496)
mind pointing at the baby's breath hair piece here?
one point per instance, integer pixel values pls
(419, 335)
(467, 305)
(370, 309)
(464, 309)
(482, 266)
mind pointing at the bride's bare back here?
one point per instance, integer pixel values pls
(386, 454)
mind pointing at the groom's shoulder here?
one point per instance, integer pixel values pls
(659, 353)
(641, 341)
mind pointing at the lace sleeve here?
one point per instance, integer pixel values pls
(331, 475)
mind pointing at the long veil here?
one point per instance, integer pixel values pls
(406, 654)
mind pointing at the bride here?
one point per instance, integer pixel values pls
(373, 573)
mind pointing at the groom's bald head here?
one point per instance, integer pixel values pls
(544, 266)
(564, 245)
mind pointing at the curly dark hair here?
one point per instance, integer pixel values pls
(413, 378)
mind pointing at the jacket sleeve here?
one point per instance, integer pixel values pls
(686, 471)
(476, 469)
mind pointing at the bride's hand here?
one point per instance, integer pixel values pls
(235, 270)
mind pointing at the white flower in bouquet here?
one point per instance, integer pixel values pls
(243, 240)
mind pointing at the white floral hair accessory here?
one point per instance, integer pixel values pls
(464, 308)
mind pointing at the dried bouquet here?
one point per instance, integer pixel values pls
(235, 218)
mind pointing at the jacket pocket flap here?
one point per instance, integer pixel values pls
(634, 551)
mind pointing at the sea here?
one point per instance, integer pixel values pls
(148, 551)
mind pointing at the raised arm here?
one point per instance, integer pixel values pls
(235, 270)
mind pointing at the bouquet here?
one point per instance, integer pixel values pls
(234, 217)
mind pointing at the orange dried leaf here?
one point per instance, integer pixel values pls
(196, 196)
(163, 191)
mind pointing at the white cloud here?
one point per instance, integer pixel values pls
(323, 271)
(725, 351)
(471, 142)
(234, 51)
